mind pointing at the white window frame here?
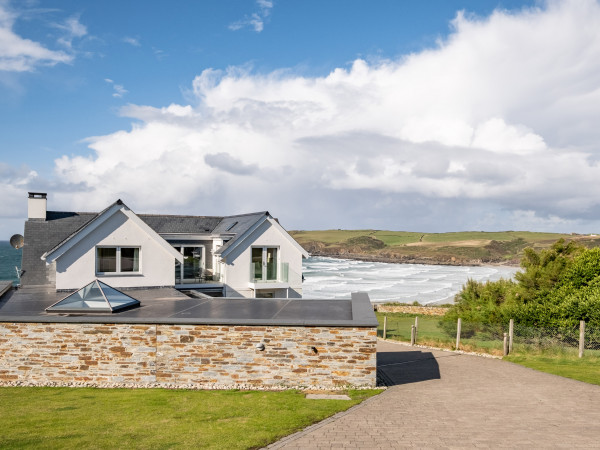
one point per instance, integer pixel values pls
(118, 271)
(264, 261)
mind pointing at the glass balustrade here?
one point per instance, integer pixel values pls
(277, 273)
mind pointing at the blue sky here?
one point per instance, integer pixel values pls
(430, 116)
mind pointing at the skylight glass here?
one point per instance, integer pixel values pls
(94, 297)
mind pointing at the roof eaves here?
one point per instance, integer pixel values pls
(235, 241)
(65, 241)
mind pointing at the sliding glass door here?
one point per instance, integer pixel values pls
(191, 270)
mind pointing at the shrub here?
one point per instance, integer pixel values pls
(557, 288)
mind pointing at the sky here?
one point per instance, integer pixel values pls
(432, 116)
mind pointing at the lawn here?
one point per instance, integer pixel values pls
(585, 369)
(156, 418)
(430, 333)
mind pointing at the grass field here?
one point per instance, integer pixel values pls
(430, 333)
(468, 247)
(394, 238)
(156, 418)
(585, 369)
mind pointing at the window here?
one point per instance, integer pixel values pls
(117, 260)
(191, 271)
(264, 263)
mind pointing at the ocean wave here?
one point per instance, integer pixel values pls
(427, 284)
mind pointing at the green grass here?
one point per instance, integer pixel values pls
(397, 237)
(558, 361)
(466, 247)
(393, 238)
(430, 333)
(585, 369)
(496, 236)
(329, 236)
(156, 418)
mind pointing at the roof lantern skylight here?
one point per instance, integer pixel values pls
(95, 297)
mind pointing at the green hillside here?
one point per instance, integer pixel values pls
(460, 248)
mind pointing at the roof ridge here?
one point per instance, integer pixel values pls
(247, 214)
(72, 212)
(180, 215)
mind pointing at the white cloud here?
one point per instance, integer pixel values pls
(158, 53)
(132, 41)
(256, 20)
(72, 29)
(499, 121)
(18, 54)
(13, 192)
(119, 90)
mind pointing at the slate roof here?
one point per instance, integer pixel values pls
(180, 224)
(240, 223)
(44, 235)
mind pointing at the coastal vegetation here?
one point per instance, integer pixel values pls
(461, 248)
(557, 288)
(44, 417)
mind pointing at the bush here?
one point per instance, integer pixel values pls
(557, 288)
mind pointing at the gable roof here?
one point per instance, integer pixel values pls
(101, 218)
(241, 237)
(42, 235)
(45, 237)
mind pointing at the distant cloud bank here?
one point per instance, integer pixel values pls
(495, 128)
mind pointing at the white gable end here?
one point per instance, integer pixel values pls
(269, 234)
(78, 265)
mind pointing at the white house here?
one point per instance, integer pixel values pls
(248, 255)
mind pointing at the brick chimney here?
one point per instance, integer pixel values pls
(36, 206)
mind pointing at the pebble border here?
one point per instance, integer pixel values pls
(193, 387)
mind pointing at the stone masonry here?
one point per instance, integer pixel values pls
(183, 355)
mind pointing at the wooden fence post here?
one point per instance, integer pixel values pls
(385, 327)
(413, 332)
(416, 328)
(581, 337)
(458, 333)
(511, 329)
(505, 345)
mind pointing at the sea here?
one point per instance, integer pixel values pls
(338, 278)
(9, 259)
(387, 282)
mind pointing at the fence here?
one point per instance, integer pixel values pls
(496, 339)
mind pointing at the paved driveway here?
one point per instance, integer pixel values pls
(448, 400)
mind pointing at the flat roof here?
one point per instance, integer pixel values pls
(169, 306)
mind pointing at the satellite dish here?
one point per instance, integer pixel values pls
(17, 241)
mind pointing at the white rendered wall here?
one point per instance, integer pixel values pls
(77, 266)
(36, 208)
(237, 268)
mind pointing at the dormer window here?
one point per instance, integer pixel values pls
(117, 260)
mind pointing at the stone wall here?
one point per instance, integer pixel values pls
(184, 355)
